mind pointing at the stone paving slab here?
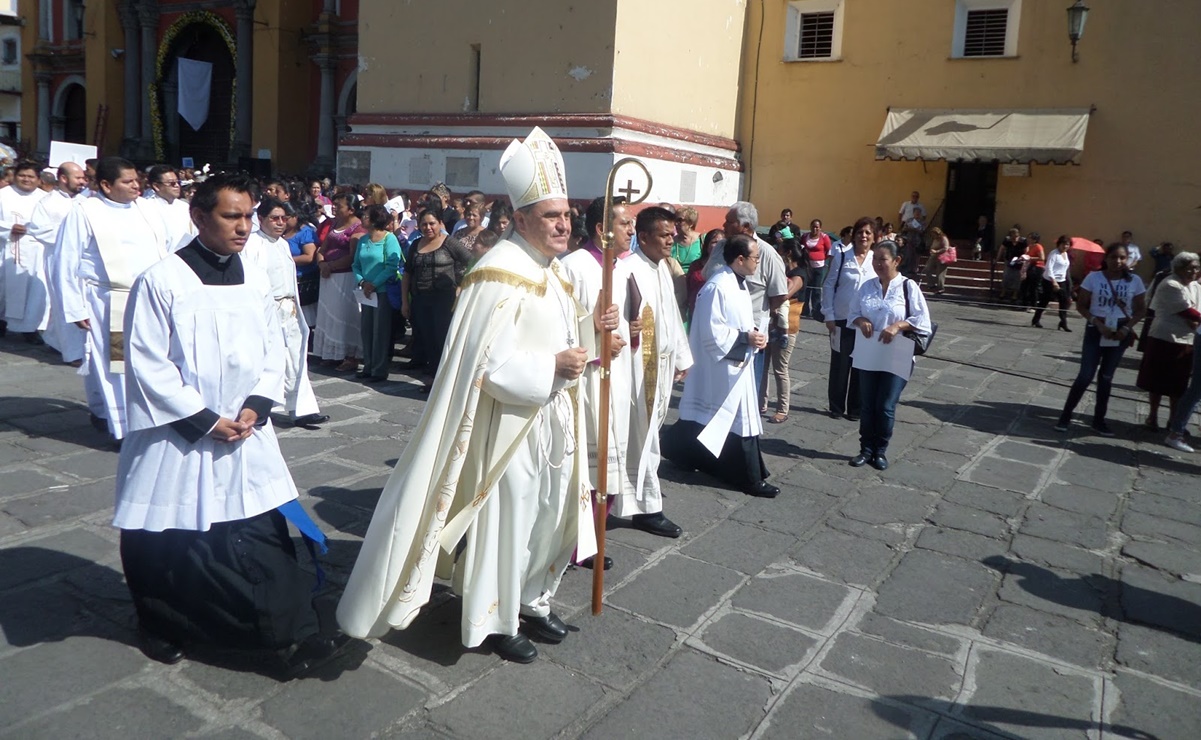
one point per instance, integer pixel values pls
(1000, 580)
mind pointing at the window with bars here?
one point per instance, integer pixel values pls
(816, 37)
(985, 31)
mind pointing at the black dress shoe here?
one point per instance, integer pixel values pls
(880, 462)
(313, 652)
(376, 379)
(762, 489)
(835, 414)
(32, 337)
(591, 561)
(549, 628)
(158, 649)
(657, 524)
(360, 374)
(858, 461)
(515, 649)
(99, 424)
(852, 417)
(309, 420)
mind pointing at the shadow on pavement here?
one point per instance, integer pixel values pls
(435, 634)
(1137, 605)
(982, 715)
(55, 418)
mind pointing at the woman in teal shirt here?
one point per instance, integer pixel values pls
(377, 260)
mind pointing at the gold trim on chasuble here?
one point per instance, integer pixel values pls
(650, 360)
(497, 275)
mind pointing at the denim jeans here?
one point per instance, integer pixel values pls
(879, 392)
(1188, 402)
(1092, 356)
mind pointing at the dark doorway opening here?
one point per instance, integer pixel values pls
(75, 115)
(210, 144)
(971, 193)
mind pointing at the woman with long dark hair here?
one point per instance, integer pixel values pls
(1112, 301)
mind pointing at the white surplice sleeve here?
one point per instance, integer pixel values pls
(67, 296)
(719, 332)
(155, 391)
(43, 224)
(271, 382)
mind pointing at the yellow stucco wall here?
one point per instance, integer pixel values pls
(282, 106)
(812, 125)
(536, 56)
(678, 63)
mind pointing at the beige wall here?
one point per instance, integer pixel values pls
(678, 63)
(811, 126)
(105, 75)
(280, 119)
(536, 56)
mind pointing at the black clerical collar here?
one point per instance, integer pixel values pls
(210, 267)
(741, 281)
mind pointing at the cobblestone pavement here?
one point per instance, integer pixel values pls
(1000, 580)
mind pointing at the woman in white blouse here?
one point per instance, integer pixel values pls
(848, 266)
(1056, 284)
(883, 309)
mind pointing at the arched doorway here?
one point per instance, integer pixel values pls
(75, 115)
(204, 41)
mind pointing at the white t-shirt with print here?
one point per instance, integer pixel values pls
(1104, 291)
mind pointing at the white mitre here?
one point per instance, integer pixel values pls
(533, 170)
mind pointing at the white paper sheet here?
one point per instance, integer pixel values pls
(363, 300)
(836, 339)
(62, 151)
(896, 357)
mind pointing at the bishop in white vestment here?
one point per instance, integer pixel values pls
(203, 493)
(48, 216)
(269, 252)
(492, 492)
(719, 425)
(659, 357)
(22, 272)
(103, 245)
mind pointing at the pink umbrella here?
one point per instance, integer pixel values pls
(1087, 256)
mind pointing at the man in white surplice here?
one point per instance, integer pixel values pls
(204, 496)
(22, 275)
(164, 197)
(582, 269)
(48, 216)
(659, 357)
(103, 245)
(266, 249)
(492, 492)
(719, 425)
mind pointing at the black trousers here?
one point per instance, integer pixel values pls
(739, 465)
(432, 310)
(237, 585)
(844, 379)
(1063, 295)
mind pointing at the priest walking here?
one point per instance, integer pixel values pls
(103, 245)
(659, 357)
(203, 493)
(22, 276)
(48, 216)
(493, 490)
(719, 426)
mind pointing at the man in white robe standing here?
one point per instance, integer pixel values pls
(164, 195)
(22, 271)
(492, 492)
(583, 270)
(719, 425)
(48, 216)
(269, 252)
(203, 493)
(659, 357)
(103, 245)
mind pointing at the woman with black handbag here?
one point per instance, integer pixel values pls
(888, 310)
(1112, 300)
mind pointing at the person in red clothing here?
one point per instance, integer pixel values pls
(1033, 282)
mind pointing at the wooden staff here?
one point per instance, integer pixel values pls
(606, 347)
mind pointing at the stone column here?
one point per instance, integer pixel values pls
(326, 133)
(243, 100)
(58, 128)
(148, 19)
(43, 112)
(133, 79)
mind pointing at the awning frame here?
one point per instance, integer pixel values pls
(1022, 136)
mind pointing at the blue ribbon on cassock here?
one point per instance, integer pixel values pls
(314, 538)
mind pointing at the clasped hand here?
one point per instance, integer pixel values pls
(231, 430)
(756, 338)
(886, 334)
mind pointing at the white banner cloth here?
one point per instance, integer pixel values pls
(195, 86)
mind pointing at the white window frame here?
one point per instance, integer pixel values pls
(1013, 21)
(792, 28)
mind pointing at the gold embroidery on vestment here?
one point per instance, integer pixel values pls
(650, 359)
(497, 275)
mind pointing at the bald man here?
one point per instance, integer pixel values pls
(48, 216)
